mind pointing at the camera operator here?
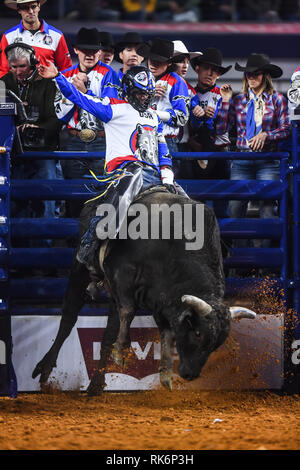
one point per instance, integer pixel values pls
(36, 121)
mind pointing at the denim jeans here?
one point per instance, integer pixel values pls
(74, 169)
(173, 147)
(152, 178)
(77, 169)
(34, 169)
(254, 170)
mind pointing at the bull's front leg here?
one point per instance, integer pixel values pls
(167, 358)
(73, 301)
(121, 352)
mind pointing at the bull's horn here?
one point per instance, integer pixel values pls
(241, 312)
(201, 307)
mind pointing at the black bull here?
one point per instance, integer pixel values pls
(182, 288)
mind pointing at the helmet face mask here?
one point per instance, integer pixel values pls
(138, 82)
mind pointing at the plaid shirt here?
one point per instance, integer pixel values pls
(275, 120)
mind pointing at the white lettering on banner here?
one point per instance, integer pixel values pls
(140, 354)
(2, 352)
(157, 351)
(296, 354)
(96, 351)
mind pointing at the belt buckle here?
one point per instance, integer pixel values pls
(87, 135)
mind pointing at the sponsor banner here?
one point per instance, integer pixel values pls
(251, 357)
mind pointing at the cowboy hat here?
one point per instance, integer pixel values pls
(181, 50)
(261, 62)
(106, 40)
(18, 3)
(161, 50)
(87, 39)
(211, 56)
(128, 39)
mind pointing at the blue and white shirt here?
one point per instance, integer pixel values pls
(130, 134)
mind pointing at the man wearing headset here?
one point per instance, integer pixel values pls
(36, 119)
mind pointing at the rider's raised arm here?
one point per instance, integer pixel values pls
(99, 107)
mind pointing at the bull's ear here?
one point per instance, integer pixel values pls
(241, 312)
(201, 307)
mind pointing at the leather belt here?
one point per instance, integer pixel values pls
(79, 133)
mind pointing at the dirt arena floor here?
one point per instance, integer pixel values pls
(152, 420)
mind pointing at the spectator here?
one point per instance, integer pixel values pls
(289, 10)
(178, 11)
(172, 101)
(203, 138)
(181, 60)
(107, 47)
(49, 43)
(293, 93)
(84, 131)
(138, 10)
(258, 10)
(36, 122)
(260, 116)
(126, 52)
(217, 10)
(96, 9)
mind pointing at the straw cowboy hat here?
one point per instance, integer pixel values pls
(18, 3)
(261, 62)
(211, 56)
(181, 50)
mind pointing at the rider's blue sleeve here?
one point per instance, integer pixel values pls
(99, 107)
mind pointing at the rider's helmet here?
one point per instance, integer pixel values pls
(136, 80)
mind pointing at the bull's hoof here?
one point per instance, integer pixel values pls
(121, 357)
(43, 368)
(166, 379)
(96, 385)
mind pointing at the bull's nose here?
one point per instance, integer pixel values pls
(186, 374)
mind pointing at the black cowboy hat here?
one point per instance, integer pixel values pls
(211, 56)
(260, 62)
(160, 50)
(106, 40)
(88, 39)
(128, 39)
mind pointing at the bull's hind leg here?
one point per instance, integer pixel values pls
(97, 382)
(73, 301)
(121, 353)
